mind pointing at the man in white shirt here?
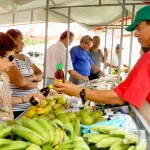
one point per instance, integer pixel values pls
(56, 53)
(115, 59)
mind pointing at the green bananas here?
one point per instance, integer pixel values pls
(107, 142)
(28, 135)
(132, 147)
(4, 142)
(5, 131)
(15, 145)
(141, 146)
(77, 128)
(131, 138)
(76, 142)
(119, 146)
(48, 129)
(33, 147)
(113, 138)
(97, 137)
(33, 125)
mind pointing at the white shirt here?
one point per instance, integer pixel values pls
(114, 61)
(56, 53)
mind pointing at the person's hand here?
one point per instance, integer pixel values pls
(101, 73)
(27, 98)
(32, 78)
(67, 88)
(85, 78)
(105, 50)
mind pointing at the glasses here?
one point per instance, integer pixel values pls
(10, 57)
(140, 28)
(88, 44)
(20, 40)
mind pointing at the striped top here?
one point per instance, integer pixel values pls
(26, 70)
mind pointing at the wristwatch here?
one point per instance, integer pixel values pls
(82, 95)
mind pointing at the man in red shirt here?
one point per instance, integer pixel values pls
(136, 88)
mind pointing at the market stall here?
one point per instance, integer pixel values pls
(126, 116)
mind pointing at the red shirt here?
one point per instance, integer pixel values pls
(136, 88)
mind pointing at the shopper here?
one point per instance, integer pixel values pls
(113, 60)
(81, 59)
(24, 75)
(134, 89)
(7, 48)
(97, 57)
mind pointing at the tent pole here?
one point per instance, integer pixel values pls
(121, 41)
(68, 37)
(131, 40)
(112, 44)
(104, 65)
(46, 35)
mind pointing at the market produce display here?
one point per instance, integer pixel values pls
(40, 134)
(28, 134)
(50, 126)
(55, 108)
(113, 138)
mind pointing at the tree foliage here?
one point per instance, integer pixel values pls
(31, 42)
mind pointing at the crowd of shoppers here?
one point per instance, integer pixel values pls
(56, 53)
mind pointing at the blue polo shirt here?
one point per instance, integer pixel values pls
(81, 60)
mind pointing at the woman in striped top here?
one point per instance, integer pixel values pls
(24, 75)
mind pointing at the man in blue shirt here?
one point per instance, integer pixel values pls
(81, 60)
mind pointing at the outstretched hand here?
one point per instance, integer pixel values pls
(67, 88)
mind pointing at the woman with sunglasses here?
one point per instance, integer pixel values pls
(24, 75)
(7, 48)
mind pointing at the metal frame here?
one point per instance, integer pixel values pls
(47, 8)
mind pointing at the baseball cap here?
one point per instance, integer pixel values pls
(141, 15)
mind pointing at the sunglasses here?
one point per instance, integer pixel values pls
(10, 57)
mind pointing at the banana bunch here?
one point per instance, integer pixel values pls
(47, 134)
(6, 144)
(57, 134)
(113, 138)
(39, 134)
(76, 127)
(75, 143)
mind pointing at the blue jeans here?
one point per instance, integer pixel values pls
(49, 81)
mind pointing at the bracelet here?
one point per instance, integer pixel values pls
(23, 99)
(34, 77)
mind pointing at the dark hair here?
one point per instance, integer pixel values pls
(7, 43)
(145, 49)
(96, 37)
(64, 35)
(85, 39)
(14, 33)
(148, 22)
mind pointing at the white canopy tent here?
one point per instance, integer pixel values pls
(91, 14)
(88, 13)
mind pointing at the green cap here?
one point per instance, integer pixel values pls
(142, 14)
(59, 66)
